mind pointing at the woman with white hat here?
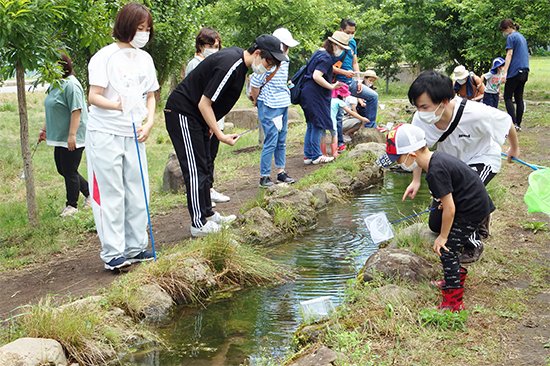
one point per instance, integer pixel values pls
(316, 95)
(272, 96)
(467, 84)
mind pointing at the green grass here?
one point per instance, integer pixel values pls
(538, 85)
(89, 333)
(21, 245)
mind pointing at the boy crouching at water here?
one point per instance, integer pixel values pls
(462, 197)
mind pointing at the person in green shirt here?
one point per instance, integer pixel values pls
(65, 129)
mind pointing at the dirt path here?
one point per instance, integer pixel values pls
(80, 272)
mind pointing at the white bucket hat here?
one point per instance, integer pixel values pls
(285, 37)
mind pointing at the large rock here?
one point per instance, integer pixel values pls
(172, 180)
(155, 303)
(413, 233)
(397, 263)
(243, 118)
(367, 135)
(321, 197)
(322, 356)
(258, 227)
(367, 177)
(300, 203)
(32, 352)
(332, 191)
(359, 150)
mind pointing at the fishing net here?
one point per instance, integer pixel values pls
(379, 227)
(537, 196)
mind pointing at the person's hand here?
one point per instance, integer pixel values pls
(71, 143)
(42, 135)
(348, 73)
(359, 87)
(361, 102)
(365, 120)
(411, 190)
(229, 139)
(512, 153)
(439, 244)
(144, 131)
(337, 85)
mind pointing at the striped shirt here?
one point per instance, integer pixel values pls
(275, 93)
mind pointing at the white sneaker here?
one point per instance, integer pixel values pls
(68, 211)
(88, 202)
(220, 220)
(218, 197)
(213, 204)
(208, 228)
(322, 160)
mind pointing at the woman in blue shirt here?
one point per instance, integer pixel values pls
(316, 95)
(516, 69)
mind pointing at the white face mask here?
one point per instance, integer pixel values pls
(430, 117)
(408, 168)
(209, 51)
(338, 51)
(260, 68)
(461, 81)
(140, 39)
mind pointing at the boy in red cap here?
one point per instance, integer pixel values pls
(462, 196)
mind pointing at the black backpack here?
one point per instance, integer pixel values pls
(295, 86)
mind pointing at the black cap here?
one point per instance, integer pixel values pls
(272, 45)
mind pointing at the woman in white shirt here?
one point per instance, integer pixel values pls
(114, 173)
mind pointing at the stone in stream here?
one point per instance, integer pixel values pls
(367, 135)
(397, 263)
(32, 352)
(299, 203)
(155, 303)
(413, 232)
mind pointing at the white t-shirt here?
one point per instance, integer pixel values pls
(351, 100)
(478, 137)
(110, 120)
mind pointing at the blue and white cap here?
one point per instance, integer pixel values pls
(497, 62)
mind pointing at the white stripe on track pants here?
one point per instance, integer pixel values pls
(191, 140)
(117, 193)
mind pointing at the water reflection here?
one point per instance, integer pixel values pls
(259, 323)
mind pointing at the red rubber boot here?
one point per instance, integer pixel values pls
(452, 299)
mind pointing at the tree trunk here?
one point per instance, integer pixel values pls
(387, 85)
(25, 151)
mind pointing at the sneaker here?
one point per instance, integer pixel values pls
(307, 161)
(471, 255)
(322, 159)
(518, 129)
(68, 211)
(347, 138)
(285, 178)
(117, 263)
(144, 256)
(342, 148)
(218, 197)
(88, 202)
(209, 227)
(265, 182)
(220, 220)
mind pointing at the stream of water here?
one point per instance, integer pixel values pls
(259, 323)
